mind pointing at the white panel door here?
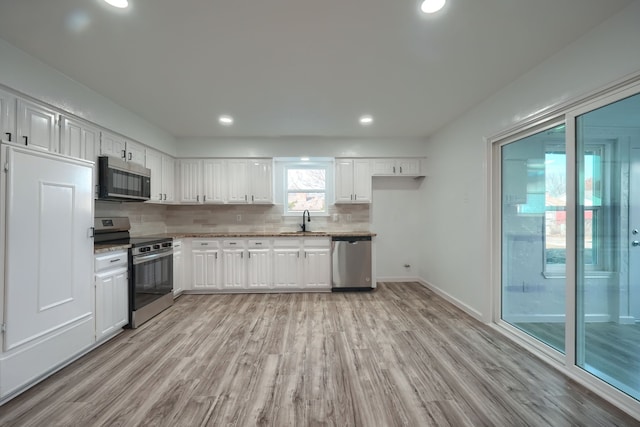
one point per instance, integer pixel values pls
(178, 268)
(287, 268)
(206, 269)
(409, 167)
(261, 181)
(168, 178)
(317, 268)
(214, 181)
(135, 152)
(233, 269)
(153, 162)
(37, 126)
(259, 268)
(362, 181)
(344, 180)
(112, 145)
(79, 140)
(7, 117)
(382, 167)
(237, 181)
(112, 305)
(190, 180)
(49, 251)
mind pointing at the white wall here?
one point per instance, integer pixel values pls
(455, 195)
(28, 75)
(299, 146)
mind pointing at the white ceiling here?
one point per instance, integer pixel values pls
(297, 67)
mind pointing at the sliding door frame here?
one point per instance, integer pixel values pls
(566, 113)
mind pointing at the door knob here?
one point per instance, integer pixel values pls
(635, 243)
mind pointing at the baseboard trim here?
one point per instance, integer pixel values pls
(453, 300)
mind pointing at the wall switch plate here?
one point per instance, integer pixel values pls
(348, 217)
(239, 218)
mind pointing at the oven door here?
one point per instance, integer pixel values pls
(151, 278)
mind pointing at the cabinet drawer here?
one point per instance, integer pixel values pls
(287, 242)
(258, 243)
(317, 242)
(111, 260)
(177, 244)
(233, 243)
(205, 244)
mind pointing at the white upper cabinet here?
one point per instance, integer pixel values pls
(397, 167)
(213, 181)
(7, 117)
(202, 181)
(353, 181)
(112, 145)
(37, 126)
(79, 140)
(116, 146)
(261, 181)
(190, 177)
(238, 181)
(162, 175)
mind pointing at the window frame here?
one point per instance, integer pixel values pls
(284, 164)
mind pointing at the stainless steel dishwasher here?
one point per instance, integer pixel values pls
(351, 263)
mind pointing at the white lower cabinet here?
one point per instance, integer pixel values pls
(233, 265)
(206, 265)
(178, 268)
(260, 265)
(287, 266)
(317, 263)
(112, 301)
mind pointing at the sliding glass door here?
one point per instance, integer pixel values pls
(608, 244)
(569, 238)
(534, 241)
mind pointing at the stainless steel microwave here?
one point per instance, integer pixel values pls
(122, 181)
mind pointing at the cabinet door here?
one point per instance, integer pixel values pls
(287, 268)
(259, 269)
(168, 178)
(261, 181)
(362, 181)
(112, 145)
(178, 271)
(213, 181)
(206, 269)
(233, 269)
(317, 268)
(410, 167)
(382, 167)
(7, 117)
(238, 191)
(153, 161)
(79, 140)
(190, 181)
(344, 181)
(112, 304)
(37, 126)
(135, 152)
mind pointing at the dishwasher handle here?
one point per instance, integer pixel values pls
(351, 239)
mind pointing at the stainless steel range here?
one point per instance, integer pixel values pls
(150, 268)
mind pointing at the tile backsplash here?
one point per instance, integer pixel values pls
(148, 218)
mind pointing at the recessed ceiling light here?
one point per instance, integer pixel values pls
(121, 4)
(304, 159)
(366, 120)
(225, 120)
(432, 6)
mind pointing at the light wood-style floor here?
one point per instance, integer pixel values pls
(396, 356)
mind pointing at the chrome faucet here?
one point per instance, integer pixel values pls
(304, 223)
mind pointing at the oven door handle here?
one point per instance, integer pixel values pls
(139, 259)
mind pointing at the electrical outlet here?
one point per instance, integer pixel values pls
(348, 217)
(335, 217)
(239, 218)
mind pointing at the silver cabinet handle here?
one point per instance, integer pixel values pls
(197, 198)
(115, 260)
(8, 136)
(400, 169)
(394, 169)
